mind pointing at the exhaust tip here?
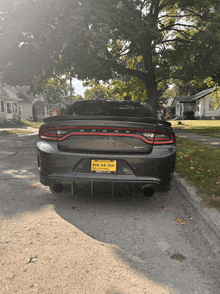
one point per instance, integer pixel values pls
(147, 190)
(57, 188)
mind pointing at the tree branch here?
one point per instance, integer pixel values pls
(122, 69)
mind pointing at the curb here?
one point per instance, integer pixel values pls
(211, 216)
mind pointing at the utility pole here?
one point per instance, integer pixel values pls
(71, 89)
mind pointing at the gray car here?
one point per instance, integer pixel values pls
(108, 141)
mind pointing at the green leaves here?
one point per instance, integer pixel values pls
(145, 42)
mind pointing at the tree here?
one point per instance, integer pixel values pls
(97, 91)
(53, 88)
(117, 89)
(153, 41)
(171, 93)
(132, 87)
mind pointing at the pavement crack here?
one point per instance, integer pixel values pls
(9, 156)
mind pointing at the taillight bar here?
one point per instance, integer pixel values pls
(148, 136)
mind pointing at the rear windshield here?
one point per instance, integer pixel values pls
(110, 108)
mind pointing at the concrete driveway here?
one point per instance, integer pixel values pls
(100, 244)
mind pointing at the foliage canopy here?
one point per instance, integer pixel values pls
(153, 41)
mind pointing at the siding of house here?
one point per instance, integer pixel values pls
(53, 112)
(9, 103)
(26, 110)
(208, 111)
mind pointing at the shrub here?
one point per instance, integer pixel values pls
(189, 114)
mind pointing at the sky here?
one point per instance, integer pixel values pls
(78, 87)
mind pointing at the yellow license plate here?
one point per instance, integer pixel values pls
(105, 166)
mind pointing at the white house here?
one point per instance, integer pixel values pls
(18, 102)
(9, 103)
(27, 101)
(200, 103)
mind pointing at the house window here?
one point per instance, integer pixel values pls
(9, 107)
(197, 106)
(210, 106)
(20, 111)
(2, 106)
(189, 107)
(15, 107)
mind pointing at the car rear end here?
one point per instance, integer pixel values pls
(139, 150)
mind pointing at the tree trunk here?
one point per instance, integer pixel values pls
(153, 96)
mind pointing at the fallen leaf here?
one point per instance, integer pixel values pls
(201, 155)
(165, 208)
(12, 198)
(32, 186)
(180, 222)
(136, 218)
(189, 158)
(178, 256)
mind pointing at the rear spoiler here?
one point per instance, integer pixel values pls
(112, 118)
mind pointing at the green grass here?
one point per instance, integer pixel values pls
(11, 132)
(202, 127)
(32, 124)
(19, 128)
(199, 165)
(22, 124)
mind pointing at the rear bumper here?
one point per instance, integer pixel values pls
(67, 179)
(155, 169)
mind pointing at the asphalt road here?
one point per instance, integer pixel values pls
(183, 255)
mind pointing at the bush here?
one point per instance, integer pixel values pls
(189, 114)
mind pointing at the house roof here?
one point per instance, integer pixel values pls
(188, 99)
(3, 94)
(39, 103)
(203, 94)
(60, 101)
(54, 107)
(22, 93)
(6, 92)
(185, 99)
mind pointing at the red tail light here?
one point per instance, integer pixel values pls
(148, 136)
(48, 134)
(160, 138)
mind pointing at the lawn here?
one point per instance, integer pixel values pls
(20, 124)
(199, 165)
(21, 127)
(203, 127)
(11, 132)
